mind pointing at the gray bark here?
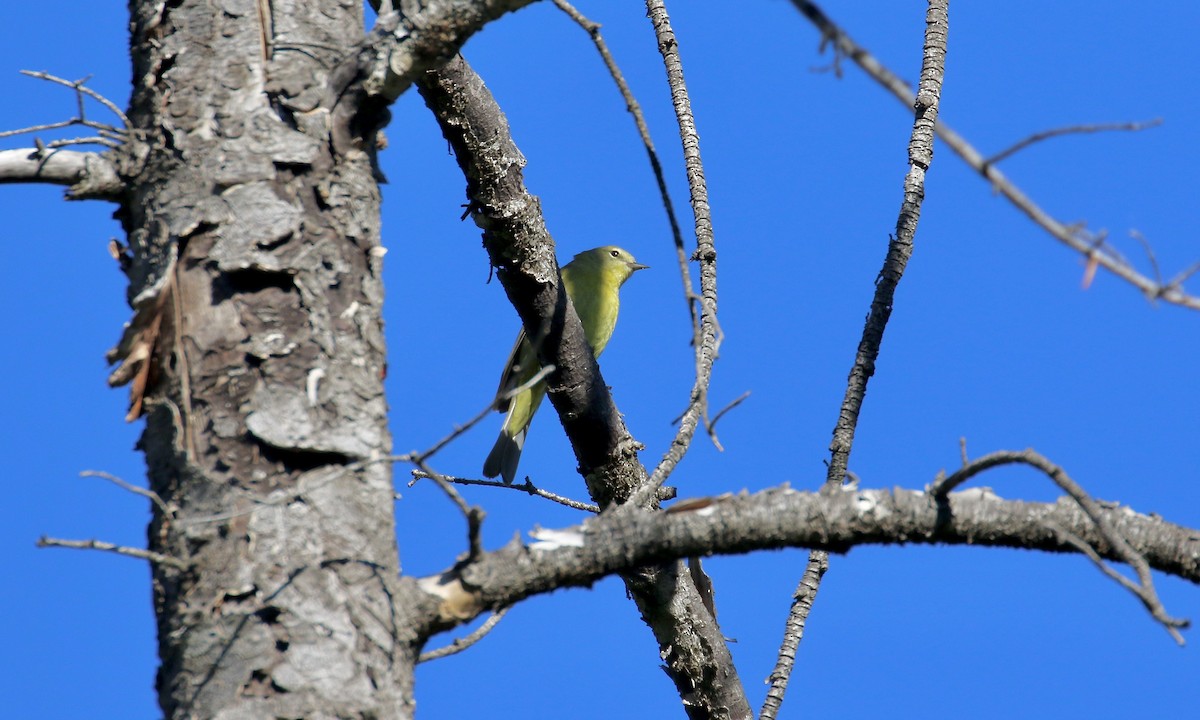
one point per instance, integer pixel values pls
(258, 242)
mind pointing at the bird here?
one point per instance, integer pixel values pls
(593, 280)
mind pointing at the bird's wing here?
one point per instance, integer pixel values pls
(517, 370)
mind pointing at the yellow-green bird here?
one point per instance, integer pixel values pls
(593, 280)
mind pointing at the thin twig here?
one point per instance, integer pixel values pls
(1121, 580)
(40, 128)
(527, 487)
(466, 641)
(1149, 255)
(635, 109)
(83, 141)
(144, 492)
(691, 299)
(1179, 279)
(473, 514)
(109, 547)
(1073, 237)
(900, 247)
(1120, 546)
(417, 458)
(79, 87)
(1070, 130)
(709, 334)
(711, 425)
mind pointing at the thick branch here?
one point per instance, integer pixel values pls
(521, 249)
(835, 521)
(88, 174)
(421, 36)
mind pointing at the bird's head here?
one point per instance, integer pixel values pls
(611, 261)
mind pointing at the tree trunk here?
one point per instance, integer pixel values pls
(255, 271)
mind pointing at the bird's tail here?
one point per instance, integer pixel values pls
(505, 455)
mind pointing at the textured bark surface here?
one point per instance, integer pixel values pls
(265, 395)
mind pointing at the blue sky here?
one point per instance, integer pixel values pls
(993, 339)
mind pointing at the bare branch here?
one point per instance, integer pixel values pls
(417, 458)
(900, 248)
(526, 487)
(80, 90)
(900, 245)
(711, 425)
(1071, 130)
(473, 514)
(1075, 238)
(520, 247)
(68, 142)
(1178, 280)
(1119, 546)
(39, 128)
(118, 549)
(832, 520)
(462, 643)
(89, 175)
(144, 492)
(793, 633)
(707, 333)
(1141, 239)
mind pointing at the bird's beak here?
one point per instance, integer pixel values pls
(634, 267)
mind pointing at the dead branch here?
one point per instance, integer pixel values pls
(1071, 130)
(144, 492)
(462, 643)
(110, 547)
(526, 487)
(793, 633)
(1082, 242)
(707, 335)
(1118, 545)
(710, 426)
(81, 89)
(900, 248)
(834, 521)
(89, 175)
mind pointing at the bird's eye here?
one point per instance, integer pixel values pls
(615, 253)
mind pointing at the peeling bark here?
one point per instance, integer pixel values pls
(267, 404)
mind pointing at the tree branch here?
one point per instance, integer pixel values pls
(1089, 245)
(1144, 589)
(1070, 130)
(835, 521)
(462, 643)
(133, 552)
(520, 247)
(417, 37)
(900, 248)
(707, 333)
(89, 175)
(639, 120)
